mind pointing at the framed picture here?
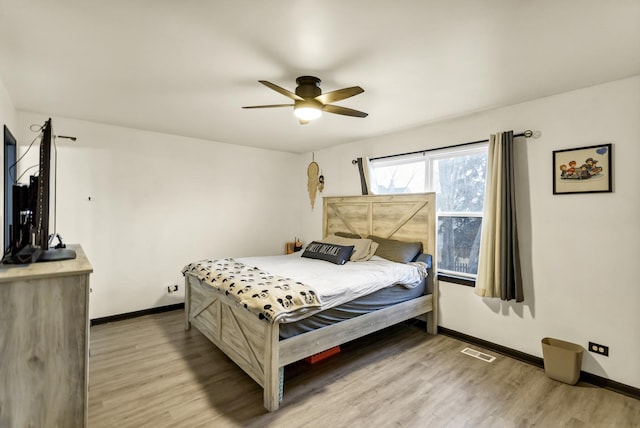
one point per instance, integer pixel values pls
(582, 170)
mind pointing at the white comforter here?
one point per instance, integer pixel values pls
(338, 284)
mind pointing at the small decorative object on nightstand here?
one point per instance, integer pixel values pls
(292, 247)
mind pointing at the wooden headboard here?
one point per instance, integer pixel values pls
(406, 217)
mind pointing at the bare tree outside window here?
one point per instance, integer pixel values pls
(459, 184)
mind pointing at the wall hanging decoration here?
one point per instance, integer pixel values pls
(583, 170)
(313, 181)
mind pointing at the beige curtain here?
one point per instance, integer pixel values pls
(499, 273)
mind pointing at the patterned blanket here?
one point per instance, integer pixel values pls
(268, 296)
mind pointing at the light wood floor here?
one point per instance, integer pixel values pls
(149, 372)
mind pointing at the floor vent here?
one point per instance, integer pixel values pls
(479, 355)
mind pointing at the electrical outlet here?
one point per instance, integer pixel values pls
(599, 349)
(172, 288)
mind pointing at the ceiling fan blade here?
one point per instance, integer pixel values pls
(281, 90)
(344, 111)
(270, 106)
(340, 94)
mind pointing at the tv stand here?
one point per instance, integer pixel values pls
(44, 346)
(31, 254)
(26, 255)
(55, 254)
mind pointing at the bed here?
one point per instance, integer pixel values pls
(255, 343)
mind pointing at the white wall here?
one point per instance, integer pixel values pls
(579, 252)
(7, 110)
(161, 201)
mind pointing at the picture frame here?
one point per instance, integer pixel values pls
(583, 170)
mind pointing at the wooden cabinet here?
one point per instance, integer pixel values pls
(44, 343)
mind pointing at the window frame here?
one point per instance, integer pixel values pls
(429, 157)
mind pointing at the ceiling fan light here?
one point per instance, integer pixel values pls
(307, 113)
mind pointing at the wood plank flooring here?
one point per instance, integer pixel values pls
(149, 372)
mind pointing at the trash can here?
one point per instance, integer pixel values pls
(562, 360)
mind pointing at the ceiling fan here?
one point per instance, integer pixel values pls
(309, 102)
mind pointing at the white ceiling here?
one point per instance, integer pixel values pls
(187, 67)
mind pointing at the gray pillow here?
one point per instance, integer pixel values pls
(348, 235)
(397, 251)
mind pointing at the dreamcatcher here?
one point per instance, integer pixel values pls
(315, 182)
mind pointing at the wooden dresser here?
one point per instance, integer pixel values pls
(44, 343)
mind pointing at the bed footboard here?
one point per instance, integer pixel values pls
(251, 343)
(255, 346)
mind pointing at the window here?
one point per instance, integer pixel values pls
(457, 176)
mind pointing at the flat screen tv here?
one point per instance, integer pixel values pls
(29, 238)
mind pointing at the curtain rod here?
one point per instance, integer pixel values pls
(528, 133)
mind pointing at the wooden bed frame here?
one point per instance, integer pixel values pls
(254, 344)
